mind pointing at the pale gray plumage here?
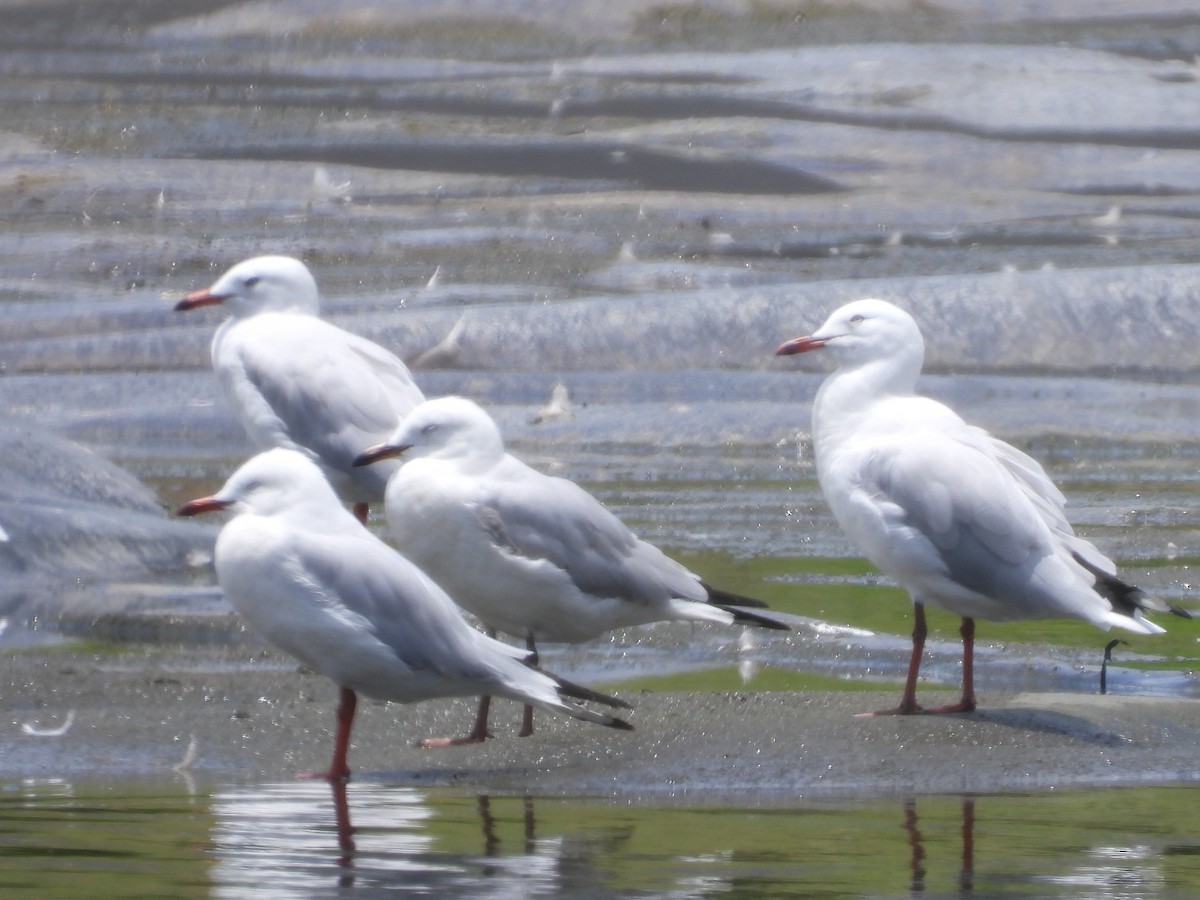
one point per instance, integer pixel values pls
(530, 554)
(316, 584)
(298, 382)
(960, 519)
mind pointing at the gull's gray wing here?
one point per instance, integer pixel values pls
(980, 527)
(318, 388)
(370, 583)
(543, 518)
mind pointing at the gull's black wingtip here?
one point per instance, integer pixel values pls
(579, 692)
(749, 618)
(718, 597)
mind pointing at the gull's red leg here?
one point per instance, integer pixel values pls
(908, 701)
(478, 734)
(339, 769)
(967, 703)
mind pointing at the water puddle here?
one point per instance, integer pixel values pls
(303, 839)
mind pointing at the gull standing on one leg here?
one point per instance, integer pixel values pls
(306, 576)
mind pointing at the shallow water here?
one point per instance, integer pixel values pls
(301, 840)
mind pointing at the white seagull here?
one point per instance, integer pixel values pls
(957, 517)
(304, 574)
(296, 381)
(529, 554)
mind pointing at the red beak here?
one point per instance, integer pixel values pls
(800, 345)
(201, 505)
(376, 453)
(196, 299)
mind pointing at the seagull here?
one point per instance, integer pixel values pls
(529, 554)
(958, 518)
(557, 407)
(326, 190)
(304, 574)
(298, 382)
(447, 352)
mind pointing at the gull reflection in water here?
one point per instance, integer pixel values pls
(290, 839)
(1105, 871)
(307, 837)
(916, 844)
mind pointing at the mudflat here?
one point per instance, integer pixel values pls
(158, 713)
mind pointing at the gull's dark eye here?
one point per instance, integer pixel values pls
(252, 281)
(430, 428)
(856, 318)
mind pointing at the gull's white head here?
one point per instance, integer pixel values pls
(863, 332)
(267, 484)
(445, 428)
(261, 284)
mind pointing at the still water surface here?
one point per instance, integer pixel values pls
(296, 840)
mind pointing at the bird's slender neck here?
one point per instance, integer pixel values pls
(480, 459)
(467, 454)
(220, 333)
(850, 393)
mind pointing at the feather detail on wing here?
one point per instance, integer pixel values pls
(553, 520)
(402, 607)
(1125, 598)
(991, 516)
(335, 395)
(1050, 504)
(960, 501)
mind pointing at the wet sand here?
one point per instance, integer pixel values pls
(254, 717)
